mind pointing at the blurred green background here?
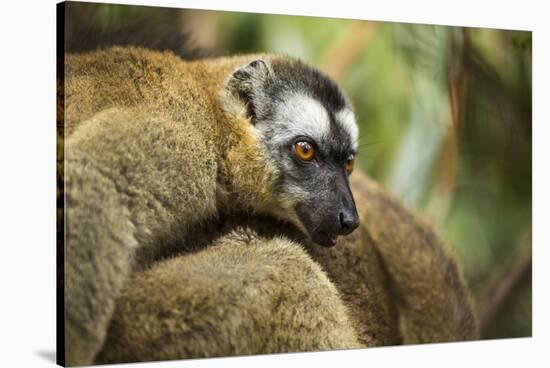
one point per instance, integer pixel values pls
(444, 114)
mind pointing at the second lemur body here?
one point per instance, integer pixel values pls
(157, 145)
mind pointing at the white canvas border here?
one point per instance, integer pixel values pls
(27, 182)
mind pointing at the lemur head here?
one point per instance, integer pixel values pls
(306, 128)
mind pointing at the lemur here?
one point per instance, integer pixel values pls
(157, 145)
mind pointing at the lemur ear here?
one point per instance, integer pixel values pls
(247, 85)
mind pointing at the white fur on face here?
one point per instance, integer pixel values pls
(301, 115)
(346, 119)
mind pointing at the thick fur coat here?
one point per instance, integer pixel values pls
(149, 169)
(149, 153)
(251, 291)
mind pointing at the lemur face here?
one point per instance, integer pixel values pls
(308, 131)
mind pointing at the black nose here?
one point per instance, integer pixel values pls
(348, 221)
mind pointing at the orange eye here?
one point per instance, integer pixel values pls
(304, 151)
(349, 164)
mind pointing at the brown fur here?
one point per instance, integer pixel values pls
(233, 298)
(150, 152)
(151, 156)
(398, 282)
(427, 282)
(141, 82)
